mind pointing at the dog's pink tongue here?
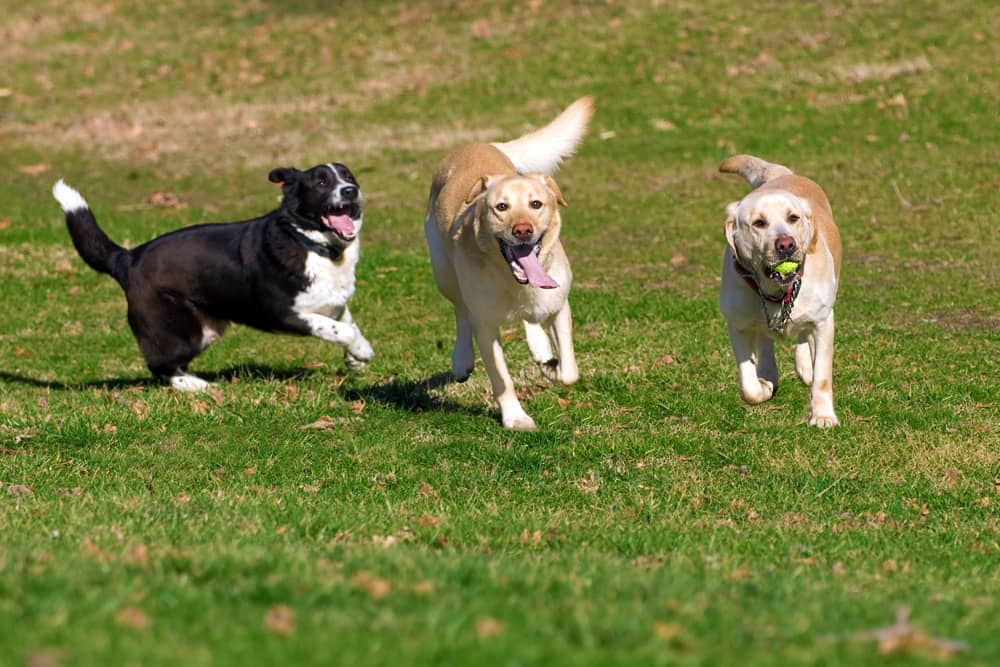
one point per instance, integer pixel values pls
(524, 255)
(342, 224)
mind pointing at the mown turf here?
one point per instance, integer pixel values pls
(298, 514)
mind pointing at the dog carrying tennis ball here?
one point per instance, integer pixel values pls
(787, 267)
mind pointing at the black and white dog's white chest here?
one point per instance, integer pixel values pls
(329, 283)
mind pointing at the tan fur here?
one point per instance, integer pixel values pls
(782, 205)
(478, 200)
(800, 186)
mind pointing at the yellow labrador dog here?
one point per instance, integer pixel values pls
(493, 232)
(780, 276)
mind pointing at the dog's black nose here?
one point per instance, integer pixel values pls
(349, 192)
(784, 246)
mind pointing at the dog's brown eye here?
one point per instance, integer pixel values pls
(535, 203)
(793, 218)
(502, 206)
(760, 222)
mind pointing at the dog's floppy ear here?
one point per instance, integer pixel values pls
(551, 184)
(284, 175)
(731, 211)
(478, 188)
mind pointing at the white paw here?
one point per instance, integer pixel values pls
(358, 353)
(189, 383)
(521, 422)
(763, 392)
(823, 421)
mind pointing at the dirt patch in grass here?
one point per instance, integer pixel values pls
(253, 134)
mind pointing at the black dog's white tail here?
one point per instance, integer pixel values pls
(97, 250)
(757, 172)
(542, 150)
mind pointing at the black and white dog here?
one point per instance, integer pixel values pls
(291, 270)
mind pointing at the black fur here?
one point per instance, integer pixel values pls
(208, 275)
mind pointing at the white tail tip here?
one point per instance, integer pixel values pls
(68, 198)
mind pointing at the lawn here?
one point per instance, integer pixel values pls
(301, 514)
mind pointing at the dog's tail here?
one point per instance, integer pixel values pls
(97, 250)
(542, 150)
(757, 172)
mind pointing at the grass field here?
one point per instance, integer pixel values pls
(298, 514)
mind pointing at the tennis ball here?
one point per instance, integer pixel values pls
(787, 267)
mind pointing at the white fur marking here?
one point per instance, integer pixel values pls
(188, 383)
(68, 198)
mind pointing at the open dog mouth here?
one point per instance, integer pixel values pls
(786, 277)
(524, 264)
(339, 218)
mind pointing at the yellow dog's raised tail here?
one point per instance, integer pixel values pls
(757, 172)
(541, 151)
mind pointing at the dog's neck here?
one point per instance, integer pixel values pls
(775, 321)
(331, 252)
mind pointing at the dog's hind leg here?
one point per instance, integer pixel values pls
(805, 352)
(463, 356)
(170, 335)
(767, 366)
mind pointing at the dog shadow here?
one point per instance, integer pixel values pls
(413, 395)
(409, 395)
(224, 376)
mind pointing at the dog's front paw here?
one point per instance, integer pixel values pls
(358, 353)
(521, 422)
(762, 392)
(823, 420)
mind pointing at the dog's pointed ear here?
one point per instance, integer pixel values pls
(284, 175)
(731, 211)
(479, 188)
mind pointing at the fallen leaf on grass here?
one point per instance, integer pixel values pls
(166, 200)
(325, 423)
(530, 538)
(20, 489)
(488, 627)
(138, 554)
(46, 658)
(903, 638)
(590, 484)
(280, 620)
(375, 587)
(667, 631)
(5, 223)
(131, 617)
(424, 587)
(33, 169)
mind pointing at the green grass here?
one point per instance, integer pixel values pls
(653, 518)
